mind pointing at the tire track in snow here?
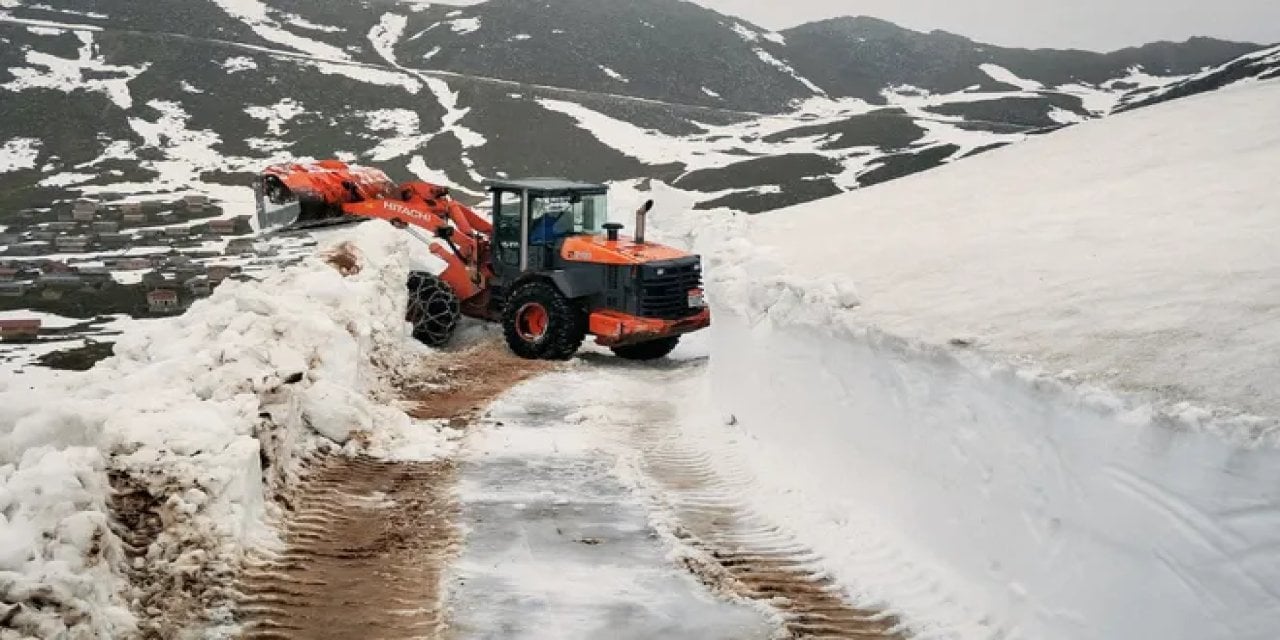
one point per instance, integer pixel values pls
(736, 551)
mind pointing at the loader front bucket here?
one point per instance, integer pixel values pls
(275, 214)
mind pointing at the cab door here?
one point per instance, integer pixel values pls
(510, 256)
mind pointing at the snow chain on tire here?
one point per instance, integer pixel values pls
(433, 309)
(566, 322)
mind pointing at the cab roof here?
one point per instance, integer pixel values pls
(545, 185)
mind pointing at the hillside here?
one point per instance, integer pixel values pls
(119, 99)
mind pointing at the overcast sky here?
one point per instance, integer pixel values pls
(1101, 25)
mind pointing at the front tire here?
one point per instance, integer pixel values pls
(433, 309)
(651, 350)
(540, 323)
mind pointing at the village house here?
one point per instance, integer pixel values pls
(95, 275)
(195, 202)
(177, 232)
(84, 211)
(134, 216)
(106, 226)
(113, 240)
(133, 264)
(55, 266)
(162, 300)
(62, 226)
(64, 215)
(29, 249)
(13, 289)
(219, 272)
(44, 234)
(222, 227)
(64, 281)
(71, 243)
(19, 330)
(8, 274)
(156, 280)
(239, 246)
(199, 286)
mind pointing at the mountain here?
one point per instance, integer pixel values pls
(1259, 65)
(119, 99)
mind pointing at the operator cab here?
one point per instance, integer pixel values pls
(533, 217)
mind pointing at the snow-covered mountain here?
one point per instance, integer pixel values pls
(116, 97)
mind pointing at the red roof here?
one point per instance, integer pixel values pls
(24, 323)
(162, 294)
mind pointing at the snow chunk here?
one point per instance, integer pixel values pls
(710, 92)
(1005, 76)
(239, 63)
(19, 153)
(187, 87)
(463, 26)
(613, 74)
(277, 115)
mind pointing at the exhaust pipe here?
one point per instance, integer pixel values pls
(640, 214)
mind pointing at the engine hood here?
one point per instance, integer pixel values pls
(623, 251)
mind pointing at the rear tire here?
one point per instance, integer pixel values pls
(540, 323)
(433, 309)
(651, 350)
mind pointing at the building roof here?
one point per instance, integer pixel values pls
(545, 184)
(22, 323)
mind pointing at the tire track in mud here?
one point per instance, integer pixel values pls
(367, 541)
(740, 553)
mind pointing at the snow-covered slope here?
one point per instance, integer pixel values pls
(1045, 375)
(1137, 252)
(138, 484)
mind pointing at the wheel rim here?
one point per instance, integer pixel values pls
(531, 321)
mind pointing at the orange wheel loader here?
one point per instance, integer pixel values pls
(548, 264)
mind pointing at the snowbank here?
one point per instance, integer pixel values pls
(181, 423)
(1010, 397)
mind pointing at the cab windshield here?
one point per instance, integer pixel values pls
(570, 214)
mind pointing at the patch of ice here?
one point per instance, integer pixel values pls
(277, 115)
(386, 34)
(406, 127)
(87, 72)
(187, 87)
(1005, 76)
(239, 63)
(254, 13)
(613, 74)
(786, 68)
(431, 54)
(370, 75)
(745, 33)
(710, 92)
(463, 26)
(19, 153)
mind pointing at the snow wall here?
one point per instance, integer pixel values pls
(1021, 504)
(1060, 516)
